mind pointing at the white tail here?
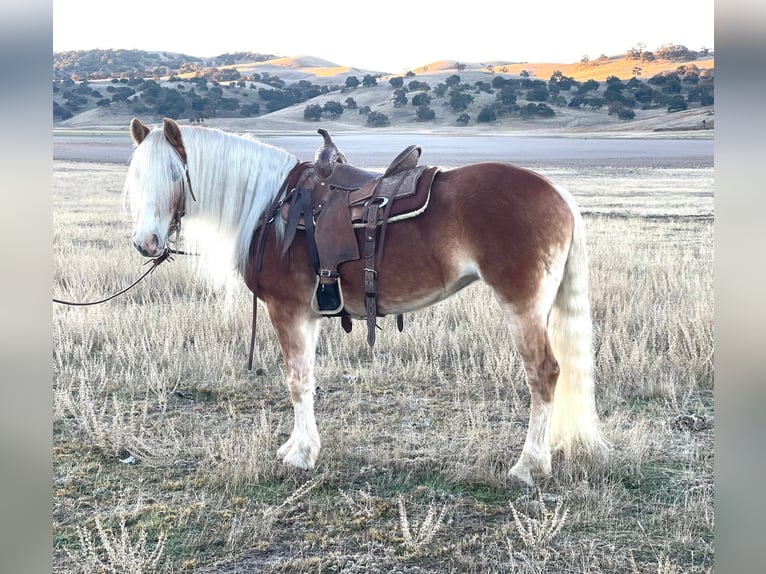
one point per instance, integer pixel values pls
(574, 421)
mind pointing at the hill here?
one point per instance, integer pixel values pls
(254, 92)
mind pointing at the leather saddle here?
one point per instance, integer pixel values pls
(333, 198)
(333, 178)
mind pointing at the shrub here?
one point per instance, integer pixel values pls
(626, 114)
(425, 113)
(677, 104)
(453, 80)
(618, 109)
(60, 113)
(539, 110)
(459, 100)
(576, 102)
(544, 111)
(487, 114)
(421, 99)
(400, 98)
(334, 108)
(417, 85)
(312, 112)
(538, 94)
(251, 109)
(587, 86)
(595, 103)
(506, 96)
(483, 87)
(377, 119)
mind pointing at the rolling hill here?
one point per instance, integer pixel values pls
(254, 92)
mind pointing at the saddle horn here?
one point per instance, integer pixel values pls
(327, 155)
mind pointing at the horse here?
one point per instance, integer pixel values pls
(507, 226)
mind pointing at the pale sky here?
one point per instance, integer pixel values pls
(387, 35)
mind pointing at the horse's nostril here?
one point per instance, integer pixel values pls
(140, 249)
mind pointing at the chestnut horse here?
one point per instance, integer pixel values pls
(507, 226)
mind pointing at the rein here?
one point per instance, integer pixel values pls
(155, 263)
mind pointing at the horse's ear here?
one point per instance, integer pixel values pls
(173, 135)
(138, 130)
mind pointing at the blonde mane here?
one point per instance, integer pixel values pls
(234, 178)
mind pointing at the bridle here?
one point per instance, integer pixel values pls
(175, 223)
(174, 229)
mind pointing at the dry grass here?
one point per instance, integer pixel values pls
(600, 70)
(165, 446)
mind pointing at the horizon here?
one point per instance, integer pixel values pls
(390, 41)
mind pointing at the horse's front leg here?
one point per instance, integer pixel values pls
(297, 333)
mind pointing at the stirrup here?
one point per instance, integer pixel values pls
(327, 298)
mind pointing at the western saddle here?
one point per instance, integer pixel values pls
(330, 199)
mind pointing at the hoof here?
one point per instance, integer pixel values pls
(526, 470)
(298, 461)
(285, 448)
(297, 455)
(521, 475)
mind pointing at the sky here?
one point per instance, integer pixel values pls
(389, 35)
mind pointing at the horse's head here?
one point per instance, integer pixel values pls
(156, 185)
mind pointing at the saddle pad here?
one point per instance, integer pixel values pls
(409, 191)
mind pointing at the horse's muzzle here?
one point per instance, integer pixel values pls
(149, 246)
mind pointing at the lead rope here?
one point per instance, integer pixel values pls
(155, 263)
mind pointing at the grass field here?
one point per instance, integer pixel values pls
(165, 445)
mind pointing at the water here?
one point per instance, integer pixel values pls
(375, 151)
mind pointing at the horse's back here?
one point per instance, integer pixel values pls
(505, 182)
(501, 201)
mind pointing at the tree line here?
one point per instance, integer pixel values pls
(213, 92)
(527, 97)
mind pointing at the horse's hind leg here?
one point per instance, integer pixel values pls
(297, 334)
(542, 371)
